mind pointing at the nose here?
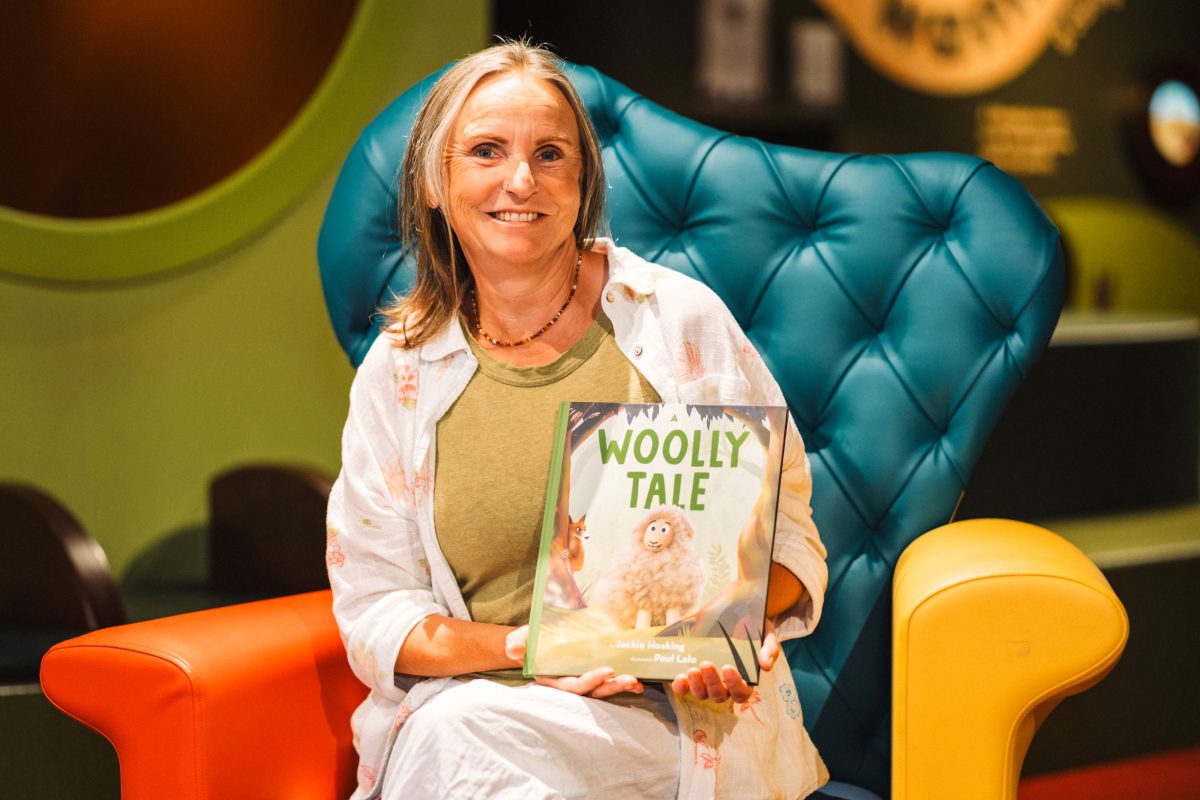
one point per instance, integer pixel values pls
(521, 184)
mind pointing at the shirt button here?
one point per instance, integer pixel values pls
(637, 349)
(611, 297)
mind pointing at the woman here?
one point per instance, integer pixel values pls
(434, 521)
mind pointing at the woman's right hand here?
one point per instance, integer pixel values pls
(599, 683)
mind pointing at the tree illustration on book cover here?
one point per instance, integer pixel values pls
(656, 540)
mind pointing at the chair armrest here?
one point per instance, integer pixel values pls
(246, 701)
(994, 623)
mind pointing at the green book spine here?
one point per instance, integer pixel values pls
(549, 516)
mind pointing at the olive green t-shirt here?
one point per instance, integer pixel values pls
(493, 461)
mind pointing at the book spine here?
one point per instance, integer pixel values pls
(549, 520)
(783, 426)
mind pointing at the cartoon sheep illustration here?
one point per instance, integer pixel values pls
(657, 578)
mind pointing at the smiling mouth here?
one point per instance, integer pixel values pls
(653, 546)
(513, 216)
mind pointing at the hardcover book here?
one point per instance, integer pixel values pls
(656, 539)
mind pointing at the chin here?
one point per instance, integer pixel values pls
(519, 251)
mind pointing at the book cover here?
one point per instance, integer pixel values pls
(656, 539)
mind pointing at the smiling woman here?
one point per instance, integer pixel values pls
(446, 456)
(153, 136)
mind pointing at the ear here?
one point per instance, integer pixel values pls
(430, 194)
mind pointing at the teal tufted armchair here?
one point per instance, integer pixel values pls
(898, 300)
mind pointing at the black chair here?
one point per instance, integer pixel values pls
(55, 581)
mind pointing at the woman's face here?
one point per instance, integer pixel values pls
(513, 169)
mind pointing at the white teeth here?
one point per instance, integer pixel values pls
(510, 216)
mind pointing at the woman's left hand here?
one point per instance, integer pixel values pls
(598, 683)
(707, 682)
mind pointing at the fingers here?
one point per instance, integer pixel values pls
(617, 685)
(739, 690)
(768, 653)
(706, 682)
(514, 643)
(598, 683)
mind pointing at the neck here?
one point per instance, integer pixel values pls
(515, 301)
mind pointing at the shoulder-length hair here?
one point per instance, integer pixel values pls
(425, 231)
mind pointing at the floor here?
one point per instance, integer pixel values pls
(1174, 775)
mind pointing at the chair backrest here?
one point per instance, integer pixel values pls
(898, 300)
(55, 574)
(266, 526)
(55, 580)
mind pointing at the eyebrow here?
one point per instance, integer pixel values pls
(484, 133)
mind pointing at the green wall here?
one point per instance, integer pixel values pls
(1148, 259)
(124, 399)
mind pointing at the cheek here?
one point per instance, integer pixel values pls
(467, 185)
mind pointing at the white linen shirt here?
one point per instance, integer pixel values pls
(386, 569)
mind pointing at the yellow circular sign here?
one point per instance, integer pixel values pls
(953, 47)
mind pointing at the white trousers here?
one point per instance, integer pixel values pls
(482, 739)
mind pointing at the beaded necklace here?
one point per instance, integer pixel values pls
(541, 330)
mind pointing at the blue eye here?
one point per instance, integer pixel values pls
(550, 154)
(485, 151)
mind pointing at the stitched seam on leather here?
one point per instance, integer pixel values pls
(829, 182)
(966, 395)
(903, 381)
(633, 182)
(908, 479)
(887, 312)
(837, 384)
(773, 167)
(178, 664)
(848, 294)
(687, 195)
(953, 259)
(620, 118)
(773, 272)
(1025, 309)
(836, 691)
(775, 172)
(917, 195)
(829, 467)
(979, 167)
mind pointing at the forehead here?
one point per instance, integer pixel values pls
(506, 98)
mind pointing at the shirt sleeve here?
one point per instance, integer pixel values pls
(798, 545)
(378, 568)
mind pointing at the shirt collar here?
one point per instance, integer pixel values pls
(446, 343)
(626, 269)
